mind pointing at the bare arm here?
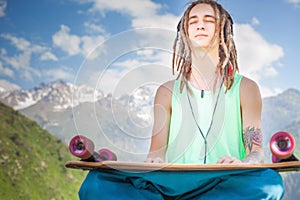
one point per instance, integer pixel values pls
(251, 107)
(162, 115)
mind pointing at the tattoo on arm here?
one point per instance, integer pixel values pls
(252, 136)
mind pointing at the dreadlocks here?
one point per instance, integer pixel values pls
(182, 58)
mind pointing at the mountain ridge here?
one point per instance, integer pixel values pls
(60, 94)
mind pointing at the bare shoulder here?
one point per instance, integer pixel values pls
(249, 86)
(249, 90)
(166, 88)
(164, 93)
(168, 85)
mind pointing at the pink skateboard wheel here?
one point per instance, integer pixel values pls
(282, 145)
(106, 154)
(82, 147)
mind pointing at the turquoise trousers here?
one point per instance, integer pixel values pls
(234, 185)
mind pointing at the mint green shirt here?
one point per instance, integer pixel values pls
(185, 143)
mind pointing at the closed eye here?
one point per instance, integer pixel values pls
(193, 20)
(209, 19)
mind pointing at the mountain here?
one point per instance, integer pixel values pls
(57, 95)
(281, 111)
(32, 161)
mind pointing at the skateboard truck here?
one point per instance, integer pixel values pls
(282, 146)
(84, 148)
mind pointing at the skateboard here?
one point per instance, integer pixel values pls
(145, 167)
(282, 146)
(84, 148)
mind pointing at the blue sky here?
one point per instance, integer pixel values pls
(106, 44)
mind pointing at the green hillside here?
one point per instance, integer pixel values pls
(32, 161)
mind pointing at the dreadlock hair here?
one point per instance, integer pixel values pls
(182, 58)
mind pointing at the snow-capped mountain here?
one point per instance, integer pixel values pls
(2, 89)
(140, 102)
(58, 95)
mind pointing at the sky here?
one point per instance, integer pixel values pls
(118, 46)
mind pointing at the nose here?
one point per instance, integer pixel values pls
(200, 25)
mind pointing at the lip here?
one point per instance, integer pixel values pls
(201, 35)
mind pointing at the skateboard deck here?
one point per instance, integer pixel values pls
(142, 167)
(282, 145)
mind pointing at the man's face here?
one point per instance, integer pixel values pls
(202, 26)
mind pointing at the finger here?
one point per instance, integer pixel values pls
(158, 160)
(222, 160)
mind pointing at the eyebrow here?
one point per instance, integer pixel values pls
(205, 16)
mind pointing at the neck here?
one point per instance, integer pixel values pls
(204, 69)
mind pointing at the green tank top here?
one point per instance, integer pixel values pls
(186, 145)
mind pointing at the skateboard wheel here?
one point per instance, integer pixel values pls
(106, 154)
(82, 147)
(275, 159)
(282, 145)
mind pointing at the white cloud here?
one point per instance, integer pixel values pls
(20, 43)
(6, 71)
(55, 74)
(268, 92)
(94, 28)
(256, 56)
(255, 21)
(48, 56)
(132, 76)
(142, 67)
(295, 2)
(167, 21)
(89, 46)
(3, 6)
(21, 60)
(8, 86)
(129, 64)
(23, 45)
(144, 13)
(67, 42)
(135, 8)
(29, 74)
(18, 61)
(75, 45)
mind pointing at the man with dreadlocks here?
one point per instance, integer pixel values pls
(205, 56)
(209, 114)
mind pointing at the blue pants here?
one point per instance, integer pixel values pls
(236, 184)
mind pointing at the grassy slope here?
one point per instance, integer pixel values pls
(32, 161)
